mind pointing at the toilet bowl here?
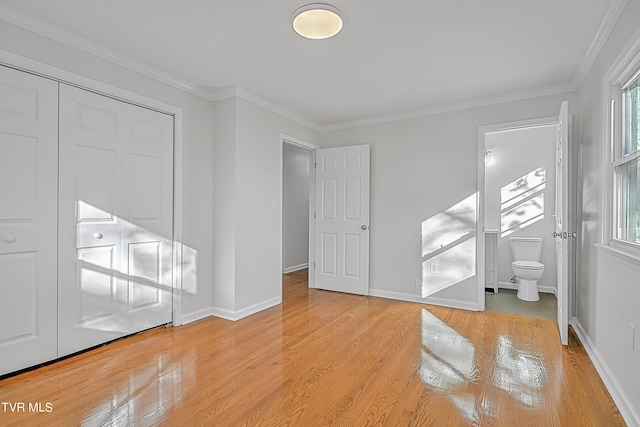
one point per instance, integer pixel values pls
(528, 274)
(526, 266)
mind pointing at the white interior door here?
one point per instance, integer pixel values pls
(116, 198)
(342, 219)
(28, 211)
(563, 226)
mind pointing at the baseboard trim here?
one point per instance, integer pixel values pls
(514, 286)
(247, 311)
(196, 315)
(429, 300)
(618, 395)
(294, 268)
(227, 314)
(548, 290)
(445, 302)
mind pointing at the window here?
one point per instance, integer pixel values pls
(626, 165)
(621, 156)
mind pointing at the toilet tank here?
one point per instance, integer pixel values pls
(526, 248)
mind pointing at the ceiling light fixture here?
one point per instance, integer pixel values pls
(317, 21)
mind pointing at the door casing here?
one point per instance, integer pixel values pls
(287, 139)
(480, 249)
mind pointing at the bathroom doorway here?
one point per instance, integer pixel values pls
(518, 184)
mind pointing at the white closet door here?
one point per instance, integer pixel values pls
(116, 203)
(148, 209)
(28, 211)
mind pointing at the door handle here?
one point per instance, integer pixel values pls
(364, 227)
(565, 235)
(99, 236)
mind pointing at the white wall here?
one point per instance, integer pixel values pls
(197, 146)
(515, 153)
(421, 167)
(224, 200)
(258, 185)
(295, 208)
(248, 215)
(608, 287)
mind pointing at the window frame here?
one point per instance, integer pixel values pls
(622, 74)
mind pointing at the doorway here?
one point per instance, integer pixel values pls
(518, 164)
(297, 201)
(338, 212)
(519, 201)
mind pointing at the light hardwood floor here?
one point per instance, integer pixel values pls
(324, 358)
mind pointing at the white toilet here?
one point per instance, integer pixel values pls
(526, 252)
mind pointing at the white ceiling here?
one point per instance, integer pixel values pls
(391, 58)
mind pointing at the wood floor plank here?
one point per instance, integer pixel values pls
(325, 358)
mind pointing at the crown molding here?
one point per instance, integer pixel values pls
(624, 67)
(606, 27)
(224, 93)
(234, 91)
(448, 108)
(264, 103)
(29, 23)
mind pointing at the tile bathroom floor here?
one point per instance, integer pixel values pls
(506, 301)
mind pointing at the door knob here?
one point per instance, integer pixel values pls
(364, 228)
(10, 239)
(99, 236)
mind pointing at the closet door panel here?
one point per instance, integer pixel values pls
(148, 209)
(28, 212)
(97, 293)
(90, 227)
(20, 287)
(18, 177)
(116, 206)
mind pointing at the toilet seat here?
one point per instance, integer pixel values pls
(527, 265)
